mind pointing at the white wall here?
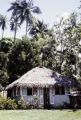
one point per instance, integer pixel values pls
(55, 100)
(61, 99)
(29, 99)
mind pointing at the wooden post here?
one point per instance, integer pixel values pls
(20, 91)
(16, 90)
(12, 92)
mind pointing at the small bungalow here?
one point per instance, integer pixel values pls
(48, 86)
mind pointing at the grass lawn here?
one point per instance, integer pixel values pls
(40, 115)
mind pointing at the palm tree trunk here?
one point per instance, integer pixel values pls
(2, 33)
(15, 32)
(26, 28)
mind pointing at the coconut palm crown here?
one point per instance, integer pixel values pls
(2, 23)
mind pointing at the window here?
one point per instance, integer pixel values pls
(34, 91)
(24, 91)
(29, 91)
(59, 90)
(62, 90)
(18, 90)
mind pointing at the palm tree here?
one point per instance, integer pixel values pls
(15, 8)
(22, 11)
(2, 23)
(39, 27)
(14, 26)
(26, 14)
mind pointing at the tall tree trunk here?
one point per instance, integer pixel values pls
(61, 56)
(15, 32)
(26, 28)
(61, 52)
(2, 33)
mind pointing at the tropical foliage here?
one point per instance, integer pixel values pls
(58, 48)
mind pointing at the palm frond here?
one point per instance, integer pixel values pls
(36, 10)
(12, 26)
(3, 22)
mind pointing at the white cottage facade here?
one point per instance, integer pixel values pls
(45, 85)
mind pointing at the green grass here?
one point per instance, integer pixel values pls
(40, 115)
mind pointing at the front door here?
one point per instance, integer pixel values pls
(46, 98)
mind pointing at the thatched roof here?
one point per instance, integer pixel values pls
(40, 77)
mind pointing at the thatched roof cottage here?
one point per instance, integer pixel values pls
(49, 86)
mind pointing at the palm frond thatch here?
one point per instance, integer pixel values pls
(41, 77)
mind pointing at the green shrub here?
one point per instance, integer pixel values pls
(2, 103)
(35, 101)
(10, 104)
(21, 104)
(7, 104)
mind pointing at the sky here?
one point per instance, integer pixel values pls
(51, 10)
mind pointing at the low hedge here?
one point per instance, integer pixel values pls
(7, 104)
(10, 104)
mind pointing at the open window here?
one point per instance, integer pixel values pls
(29, 91)
(14, 91)
(62, 91)
(35, 91)
(18, 91)
(59, 90)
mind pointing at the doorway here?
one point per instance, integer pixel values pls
(46, 98)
